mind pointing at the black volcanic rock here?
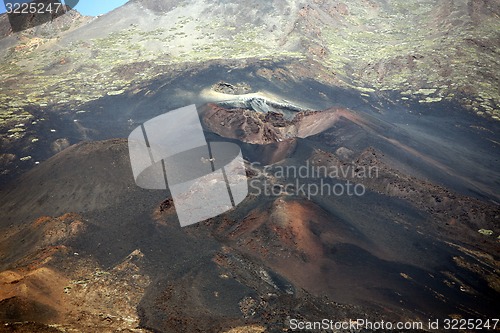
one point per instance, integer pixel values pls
(271, 257)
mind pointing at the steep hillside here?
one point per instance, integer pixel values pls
(398, 100)
(278, 254)
(422, 52)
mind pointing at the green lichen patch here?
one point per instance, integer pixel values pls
(485, 232)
